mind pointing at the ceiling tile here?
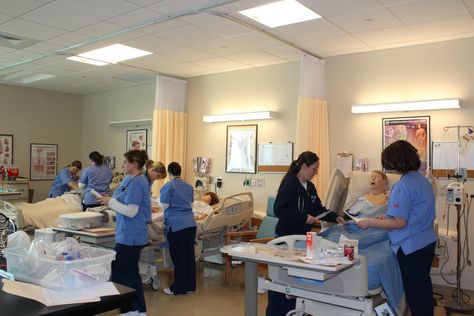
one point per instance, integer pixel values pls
(366, 20)
(399, 44)
(30, 29)
(145, 3)
(222, 26)
(70, 39)
(428, 10)
(345, 52)
(222, 47)
(50, 70)
(171, 7)
(44, 48)
(103, 9)
(186, 54)
(17, 8)
(256, 40)
(152, 62)
(386, 36)
(334, 44)
(152, 43)
(57, 16)
(309, 30)
(162, 26)
(245, 4)
(7, 61)
(284, 51)
(58, 82)
(21, 55)
(4, 18)
(188, 34)
(218, 63)
(254, 57)
(70, 65)
(447, 38)
(6, 50)
(457, 25)
(100, 29)
(137, 17)
(335, 7)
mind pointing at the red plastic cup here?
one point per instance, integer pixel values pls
(349, 252)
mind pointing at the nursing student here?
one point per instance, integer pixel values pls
(297, 205)
(176, 199)
(65, 180)
(154, 170)
(98, 177)
(131, 201)
(409, 221)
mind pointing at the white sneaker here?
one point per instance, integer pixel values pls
(168, 291)
(191, 292)
(142, 314)
(131, 313)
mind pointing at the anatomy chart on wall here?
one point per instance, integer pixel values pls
(43, 161)
(6, 149)
(241, 148)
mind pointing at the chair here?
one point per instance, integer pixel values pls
(265, 233)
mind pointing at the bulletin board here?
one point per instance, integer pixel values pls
(445, 158)
(275, 157)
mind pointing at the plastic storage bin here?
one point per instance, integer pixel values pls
(81, 220)
(94, 269)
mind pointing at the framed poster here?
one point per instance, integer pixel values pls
(415, 130)
(6, 149)
(43, 161)
(137, 139)
(241, 155)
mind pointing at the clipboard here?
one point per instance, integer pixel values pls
(344, 163)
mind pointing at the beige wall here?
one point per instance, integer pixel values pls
(114, 105)
(40, 116)
(432, 71)
(267, 88)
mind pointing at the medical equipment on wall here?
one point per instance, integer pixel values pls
(456, 196)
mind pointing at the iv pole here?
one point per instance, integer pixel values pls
(458, 305)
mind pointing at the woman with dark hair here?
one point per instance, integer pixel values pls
(98, 177)
(66, 180)
(131, 201)
(297, 205)
(176, 199)
(409, 221)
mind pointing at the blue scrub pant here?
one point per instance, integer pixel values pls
(415, 269)
(181, 244)
(278, 304)
(125, 271)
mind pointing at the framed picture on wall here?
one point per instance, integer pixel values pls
(241, 155)
(6, 149)
(137, 139)
(414, 129)
(43, 161)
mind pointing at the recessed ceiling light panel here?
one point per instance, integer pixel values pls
(281, 13)
(115, 53)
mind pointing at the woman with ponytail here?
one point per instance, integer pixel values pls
(297, 205)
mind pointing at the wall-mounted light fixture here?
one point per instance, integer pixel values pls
(408, 106)
(252, 116)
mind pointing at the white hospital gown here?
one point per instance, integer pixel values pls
(363, 208)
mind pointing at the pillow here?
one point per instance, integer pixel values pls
(359, 184)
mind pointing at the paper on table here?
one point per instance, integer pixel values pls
(50, 297)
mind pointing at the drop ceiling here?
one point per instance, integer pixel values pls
(185, 44)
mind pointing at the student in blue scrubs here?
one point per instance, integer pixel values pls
(176, 199)
(66, 180)
(409, 221)
(131, 201)
(98, 177)
(154, 170)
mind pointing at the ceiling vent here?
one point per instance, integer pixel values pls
(15, 42)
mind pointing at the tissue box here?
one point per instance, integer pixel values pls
(94, 269)
(49, 235)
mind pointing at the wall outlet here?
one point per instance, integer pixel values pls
(253, 182)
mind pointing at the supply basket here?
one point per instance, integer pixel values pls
(93, 268)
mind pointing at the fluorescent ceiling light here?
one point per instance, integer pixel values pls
(88, 61)
(264, 115)
(34, 77)
(408, 106)
(111, 54)
(280, 13)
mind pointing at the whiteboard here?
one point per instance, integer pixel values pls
(277, 155)
(445, 155)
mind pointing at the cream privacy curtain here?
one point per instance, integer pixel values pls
(312, 118)
(169, 124)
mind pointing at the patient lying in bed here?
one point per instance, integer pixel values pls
(374, 202)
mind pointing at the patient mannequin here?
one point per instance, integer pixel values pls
(204, 207)
(373, 203)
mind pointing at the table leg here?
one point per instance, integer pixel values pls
(251, 296)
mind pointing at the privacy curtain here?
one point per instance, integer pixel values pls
(169, 124)
(312, 131)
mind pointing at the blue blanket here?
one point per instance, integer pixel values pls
(383, 269)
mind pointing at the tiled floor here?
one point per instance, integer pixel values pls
(213, 298)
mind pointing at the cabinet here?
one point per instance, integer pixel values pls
(15, 191)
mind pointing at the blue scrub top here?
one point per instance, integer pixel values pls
(132, 231)
(97, 178)
(412, 198)
(179, 195)
(59, 185)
